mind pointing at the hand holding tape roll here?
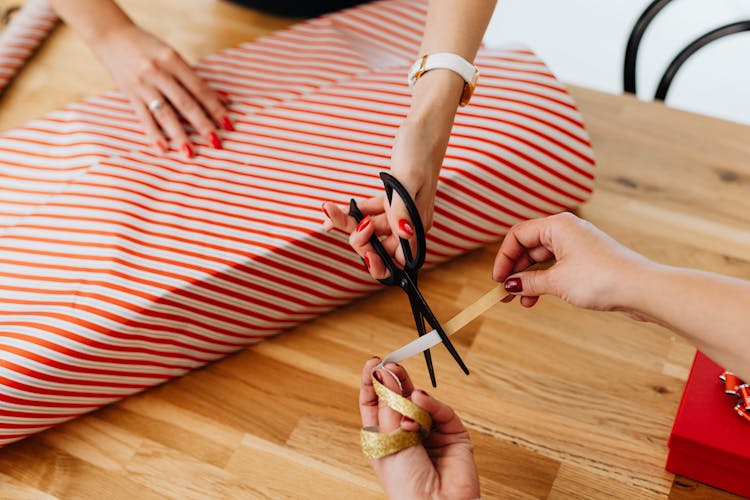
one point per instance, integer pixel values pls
(376, 444)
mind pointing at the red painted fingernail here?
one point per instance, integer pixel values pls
(407, 419)
(363, 223)
(378, 376)
(223, 96)
(226, 123)
(214, 140)
(514, 285)
(188, 150)
(161, 146)
(404, 225)
(323, 206)
(367, 262)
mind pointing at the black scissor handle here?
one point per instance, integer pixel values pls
(392, 184)
(394, 277)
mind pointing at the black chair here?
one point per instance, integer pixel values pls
(631, 51)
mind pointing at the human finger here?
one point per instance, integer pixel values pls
(339, 219)
(389, 419)
(531, 284)
(529, 301)
(167, 119)
(209, 100)
(532, 257)
(187, 106)
(150, 126)
(360, 241)
(401, 226)
(375, 264)
(444, 419)
(520, 238)
(368, 399)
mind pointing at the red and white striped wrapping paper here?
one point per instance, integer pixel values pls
(28, 28)
(121, 268)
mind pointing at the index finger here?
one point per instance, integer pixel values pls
(522, 238)
(368, 400)
(204, 94)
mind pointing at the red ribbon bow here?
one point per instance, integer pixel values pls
(736, 387)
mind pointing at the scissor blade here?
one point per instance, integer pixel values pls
(419, 302)
(419, 320)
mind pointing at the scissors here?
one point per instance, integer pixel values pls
(406, 278)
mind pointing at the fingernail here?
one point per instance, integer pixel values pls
(404, 225)
(408, 419)
(378, 376)
(323, 206)
(514, 285)
(226, 123)
(367, 262)
(188, 150)
(161, 146)
(375, 357)
(214, 140)
(363, 223)
(423, 392)
(223, 97)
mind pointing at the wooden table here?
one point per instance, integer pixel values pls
(561, 403)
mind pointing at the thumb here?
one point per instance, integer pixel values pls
(530, 283)
(399, 220)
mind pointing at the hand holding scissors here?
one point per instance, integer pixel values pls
(406, 277)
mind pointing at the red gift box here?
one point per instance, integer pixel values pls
(710, 442)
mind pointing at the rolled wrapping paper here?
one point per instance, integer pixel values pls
(27, 29)
(123, 268)
(378, 445)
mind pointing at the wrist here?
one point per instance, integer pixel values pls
(436, 95)
(114, 33)
(639, 287)
(430, 120)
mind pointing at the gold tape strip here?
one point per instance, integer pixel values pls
(402, 405)
(472, 312)
(377, 445)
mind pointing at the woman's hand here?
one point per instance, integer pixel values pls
(418, 152)
(411, 152)
(161, 87)
(591, 270)
(442, 466)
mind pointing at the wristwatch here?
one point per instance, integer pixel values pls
(447, 60)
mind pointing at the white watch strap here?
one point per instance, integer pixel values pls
(442, 60)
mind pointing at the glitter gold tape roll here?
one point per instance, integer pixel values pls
(378, 445)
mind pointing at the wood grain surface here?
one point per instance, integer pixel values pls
(561, 403)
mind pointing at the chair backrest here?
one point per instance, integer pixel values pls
(634, 41)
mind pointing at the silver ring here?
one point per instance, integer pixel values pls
(156, 105)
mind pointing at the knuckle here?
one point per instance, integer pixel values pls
(168, 55)
(147, 70)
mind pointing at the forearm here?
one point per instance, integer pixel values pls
(455, 26)
(709, 310)
(92, 19)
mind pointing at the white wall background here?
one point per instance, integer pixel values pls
(583, 42)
